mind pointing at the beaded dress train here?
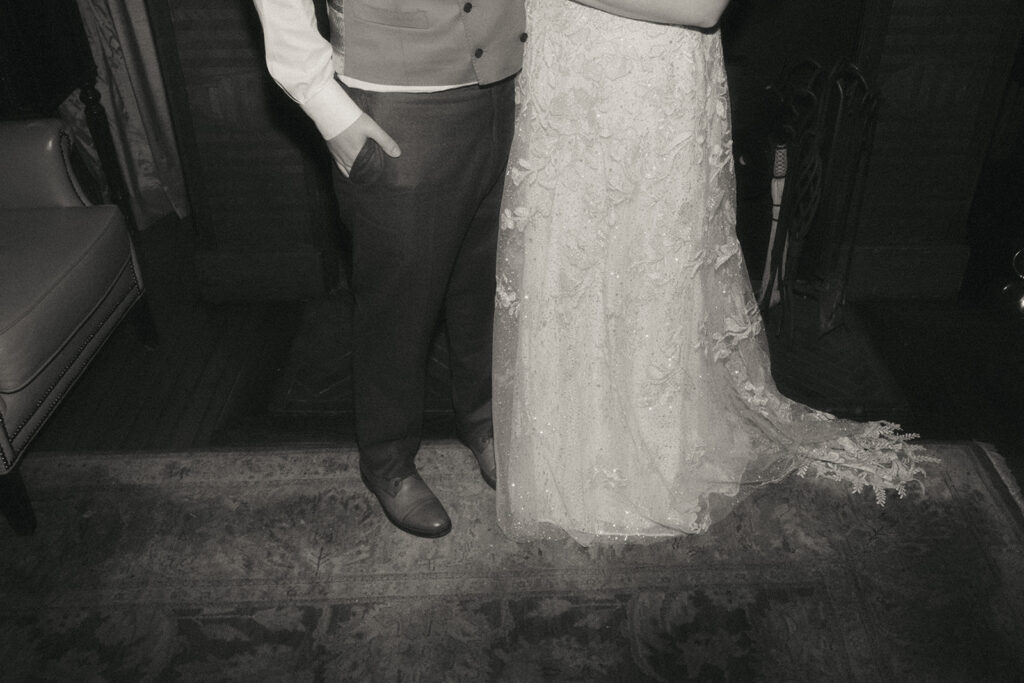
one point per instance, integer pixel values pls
(632, 391)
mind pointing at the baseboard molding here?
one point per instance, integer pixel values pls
(907, 272)
(285, 275)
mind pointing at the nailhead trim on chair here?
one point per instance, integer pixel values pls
(57, 399)
(3, 458)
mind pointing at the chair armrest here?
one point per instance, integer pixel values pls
(35, 166)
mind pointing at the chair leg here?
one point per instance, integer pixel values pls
(15, 504)
(141, 317)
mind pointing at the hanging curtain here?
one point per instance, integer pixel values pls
(132, 93)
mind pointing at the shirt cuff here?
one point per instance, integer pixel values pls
(332, 110)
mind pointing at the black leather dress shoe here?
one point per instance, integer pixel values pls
(485, 459)
(411, 506)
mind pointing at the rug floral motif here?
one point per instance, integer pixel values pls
(278, 566)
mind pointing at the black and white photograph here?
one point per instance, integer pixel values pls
(511, 340)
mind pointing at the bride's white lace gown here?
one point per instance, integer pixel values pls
(632, 378)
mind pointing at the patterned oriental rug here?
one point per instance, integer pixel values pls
(271, 565)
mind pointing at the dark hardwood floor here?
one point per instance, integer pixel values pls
(942, 369)
(214, 363)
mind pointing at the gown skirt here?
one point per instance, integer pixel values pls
(632, 391)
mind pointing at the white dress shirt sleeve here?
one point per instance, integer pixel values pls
(300, 61)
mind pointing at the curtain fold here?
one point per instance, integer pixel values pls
(132, 93)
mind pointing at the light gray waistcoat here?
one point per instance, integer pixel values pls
(427, 42)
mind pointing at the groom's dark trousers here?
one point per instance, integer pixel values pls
(424, 230)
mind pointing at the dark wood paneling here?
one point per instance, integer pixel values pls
(942, 71)
(940, 78)
(257, 169)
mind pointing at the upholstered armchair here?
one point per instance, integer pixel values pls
(68, 276)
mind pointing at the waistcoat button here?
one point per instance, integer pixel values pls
(467, 7)
(479, 53)
(522, 37)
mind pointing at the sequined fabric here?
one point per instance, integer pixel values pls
(633, 396)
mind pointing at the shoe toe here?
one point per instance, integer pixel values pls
(411, 506)
(417, 510)
(428, 518)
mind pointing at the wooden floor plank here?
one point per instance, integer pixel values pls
(174, 363)
(239, 357)
(206, 358)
